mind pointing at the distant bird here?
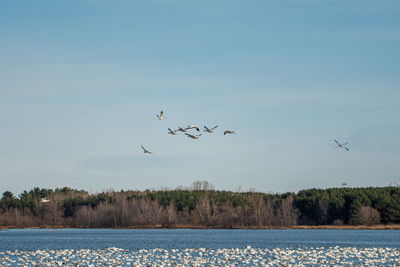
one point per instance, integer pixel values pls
(394, 184)
(145, 150)
(210, 130)
(193, 136)
(341, 145)
(161, 116)
(44, 200)
(229, 132)
(171, 131)
(192, 127)
(181, 130)
(344, 184)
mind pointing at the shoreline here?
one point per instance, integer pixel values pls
(300, 227)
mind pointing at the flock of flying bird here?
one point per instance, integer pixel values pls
(211, 130)
(208, 130)
(185, 130)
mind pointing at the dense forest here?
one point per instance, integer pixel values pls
(200, 206)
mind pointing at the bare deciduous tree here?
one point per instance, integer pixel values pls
(369, 216)
(202, 210)
(202, 185)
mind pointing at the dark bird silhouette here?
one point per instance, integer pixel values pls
(229, 132)
(341, 145)
(146, 151)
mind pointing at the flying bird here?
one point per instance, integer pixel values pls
(146, 151)
(171, 131)
(210, 130)
(193, 136)
(229, 132)
(181, 130)
(161, 116)
(192, 127)
(341, 145)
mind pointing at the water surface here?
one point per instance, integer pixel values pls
(34, 239)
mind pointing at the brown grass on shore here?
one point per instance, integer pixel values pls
(335, 227)
(341, 227)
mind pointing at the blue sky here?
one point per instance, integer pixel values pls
(82, 81)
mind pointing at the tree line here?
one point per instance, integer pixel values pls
(200, 206)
